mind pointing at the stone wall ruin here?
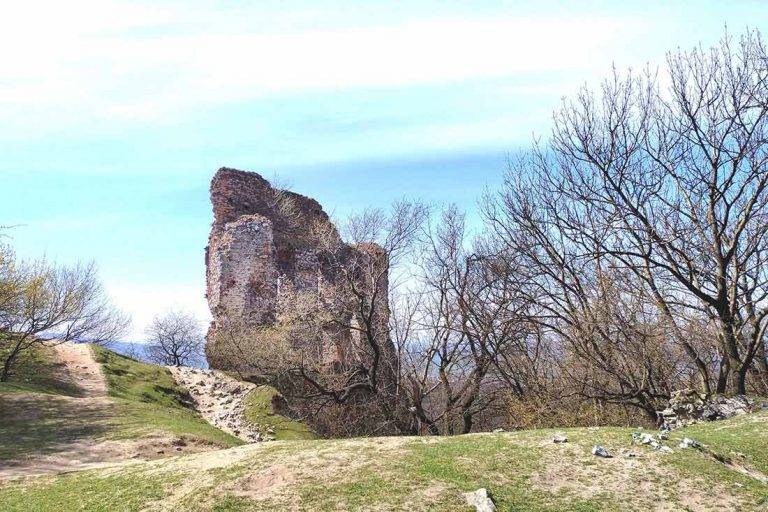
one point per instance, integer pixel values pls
(258, 246)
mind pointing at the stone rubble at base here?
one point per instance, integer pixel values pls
(687, 407)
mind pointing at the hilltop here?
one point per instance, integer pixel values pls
(123, 414)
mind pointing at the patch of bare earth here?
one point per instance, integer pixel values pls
(82, 368)
(641, 482)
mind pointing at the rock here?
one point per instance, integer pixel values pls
(481, 500)
(559, 438)
(665, 449)
(647, 439)
(498, 430)
(689, 443)
(689, 406)
(599, 451)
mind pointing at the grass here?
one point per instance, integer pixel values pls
(147, 400)
(523, 470)
(38, 371)
(42, 411)
(37, 423)
(259, 410)
(744, 439)
(417, 474)
(124, 491)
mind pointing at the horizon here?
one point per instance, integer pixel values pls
(353, 107)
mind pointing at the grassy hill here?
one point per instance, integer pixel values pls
(43, 410)
(523, 470)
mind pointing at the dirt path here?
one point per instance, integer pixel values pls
(82, 368)
(219, 399)
(58, 434)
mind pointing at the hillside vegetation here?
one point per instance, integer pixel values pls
(148, 400)
(49, 421)
(523, 470)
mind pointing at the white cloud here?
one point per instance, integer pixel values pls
(107, 59)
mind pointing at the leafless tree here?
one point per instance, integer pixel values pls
(40, 301)
(467, 345)
(664, 180)
(176, 339)
(330, 346)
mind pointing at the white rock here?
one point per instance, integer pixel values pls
(689, 443)
(599, 451)
(481, 500)
(560, 438)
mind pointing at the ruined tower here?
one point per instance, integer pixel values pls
(264, 239)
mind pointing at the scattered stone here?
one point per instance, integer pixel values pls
(687, 442)
(665, 449)
(213, 395)
(647, 439)
(560, 438)
(688, 406)
(599, 451)
(481, 500)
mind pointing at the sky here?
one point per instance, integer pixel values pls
(114, 116)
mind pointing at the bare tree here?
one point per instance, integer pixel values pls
(468, 345)
(176, 339)
(668, 184)
(330, 346)
(40, 301)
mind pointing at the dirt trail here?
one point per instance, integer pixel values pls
(67, 431)
(82, 368)
(219, 399)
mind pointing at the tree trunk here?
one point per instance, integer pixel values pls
(738, 381)
(7, 367)
(723, 375)
(466, 422)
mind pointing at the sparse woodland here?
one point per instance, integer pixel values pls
(622, 259)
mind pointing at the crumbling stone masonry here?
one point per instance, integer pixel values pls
(257, 246)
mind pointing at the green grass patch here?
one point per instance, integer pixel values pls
(37, 370)
(38, 423)
(148, 400)
(259, 410)
(744, 439)
(125, 492)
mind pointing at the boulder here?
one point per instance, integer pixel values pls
(481, 500)
(599, 451)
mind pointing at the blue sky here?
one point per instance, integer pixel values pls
(115, 115)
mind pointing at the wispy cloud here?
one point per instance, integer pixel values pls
(110, 60)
